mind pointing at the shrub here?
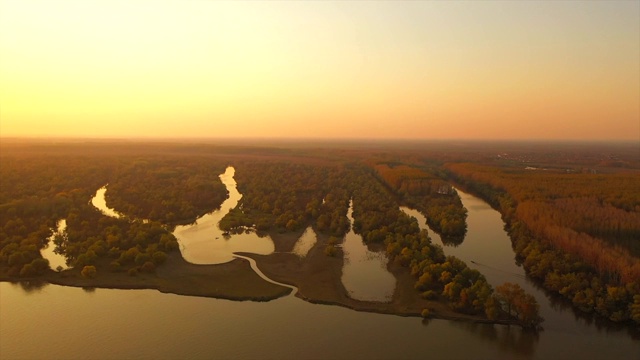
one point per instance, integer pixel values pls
(89, 271)
(330, 250)
(429, 295)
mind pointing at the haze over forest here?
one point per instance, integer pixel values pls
(419, 70)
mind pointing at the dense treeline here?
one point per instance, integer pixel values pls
(33, 178)
(36, 191)
(376, 213)
(284, 196)
(106, 243)
(173, 190)
(554, 221)
(448, 278)
(430, 195)
(377, 218)
(21, 238)
(39, 189)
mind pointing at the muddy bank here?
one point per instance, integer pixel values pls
(234, 280)
(319, 280)
(317, 276)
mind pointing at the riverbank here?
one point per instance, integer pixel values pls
(317, 276)
(234, 280)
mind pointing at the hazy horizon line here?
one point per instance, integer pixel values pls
(304, 138)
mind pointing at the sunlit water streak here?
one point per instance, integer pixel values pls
(99, 202)
(202, 242)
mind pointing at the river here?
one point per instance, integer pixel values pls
(39, 321)
(204, 243)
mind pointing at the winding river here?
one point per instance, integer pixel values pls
(204, 243)
(41, 321)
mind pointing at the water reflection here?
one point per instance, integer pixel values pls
(305, 243)
(511, 339)
(204, 243)
(31, 286)
(287, 328)
(365, 274)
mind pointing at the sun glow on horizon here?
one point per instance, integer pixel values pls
(544, 70)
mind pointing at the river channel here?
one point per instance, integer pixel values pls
(204, 243)
(39, 321)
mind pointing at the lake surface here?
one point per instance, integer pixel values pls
(55, 322)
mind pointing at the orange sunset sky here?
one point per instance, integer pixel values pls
(364, 69)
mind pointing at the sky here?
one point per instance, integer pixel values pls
(304, 69)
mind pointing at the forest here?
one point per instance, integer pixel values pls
(285, 197)
(575, 232)
(578, 234)
(431, 195)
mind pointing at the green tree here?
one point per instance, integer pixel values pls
(330, 250)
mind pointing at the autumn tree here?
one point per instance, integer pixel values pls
(515, 302)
